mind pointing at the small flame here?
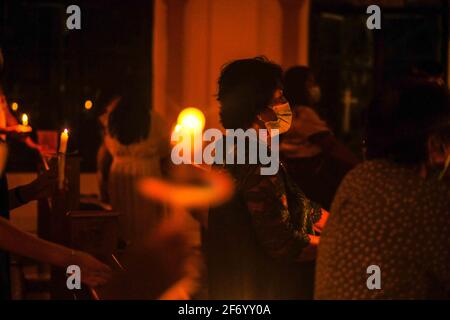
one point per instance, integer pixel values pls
(191, 119)
(88, 105)
(25, 119)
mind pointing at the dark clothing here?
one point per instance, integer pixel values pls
(254, 241)
(318, 176)
(5, 286)
(315, 159)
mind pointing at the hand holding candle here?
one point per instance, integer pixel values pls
(21, 128)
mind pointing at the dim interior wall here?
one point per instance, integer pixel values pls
(303, 39)
(24, 217)
(193, 39)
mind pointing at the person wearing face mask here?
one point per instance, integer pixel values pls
(262, 243)
(315, 159)
(283, 114)
(393, 210)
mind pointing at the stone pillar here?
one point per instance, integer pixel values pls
(175, 56)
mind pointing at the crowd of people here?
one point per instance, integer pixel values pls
(311, 230)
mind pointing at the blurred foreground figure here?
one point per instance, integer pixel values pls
(262, 242)
(391, 211)
(135, 141)
(161, 266)
(167, 263)
(315, 159)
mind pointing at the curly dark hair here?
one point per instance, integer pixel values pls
(295, 85)
(246, 88)
(403, 117)
(129, 122)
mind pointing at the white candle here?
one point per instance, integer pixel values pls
(63, 141)
(64, 138)
(25, 119)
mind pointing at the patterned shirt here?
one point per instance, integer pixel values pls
(386, 215)
(255, 239)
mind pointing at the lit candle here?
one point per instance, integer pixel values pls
(190, 124)
(25, 119)
(62, 158)
(63, 141)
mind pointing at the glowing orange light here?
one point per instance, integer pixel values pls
(88, 105)
(191, 119)
(178, 128)
(15, 106)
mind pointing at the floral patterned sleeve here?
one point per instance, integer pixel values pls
(279, 231)
(316, 212)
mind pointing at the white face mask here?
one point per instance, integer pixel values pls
(284, 118)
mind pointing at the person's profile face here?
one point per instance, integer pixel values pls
(278, 98)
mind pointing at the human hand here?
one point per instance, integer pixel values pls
(18, 128)
(309, 253)
(93, 272)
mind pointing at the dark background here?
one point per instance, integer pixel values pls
(51, 71)
(344, 54)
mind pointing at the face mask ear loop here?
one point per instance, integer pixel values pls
(447, 164)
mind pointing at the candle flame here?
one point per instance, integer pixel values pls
(192, 119)
(88, 105)
(25, 119)
(66, 131)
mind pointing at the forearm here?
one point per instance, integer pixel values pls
(5, 129)
(15, 198)
(272, 221)
(19, 196)
(104, 160)
(30, 143)
(24, 244)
